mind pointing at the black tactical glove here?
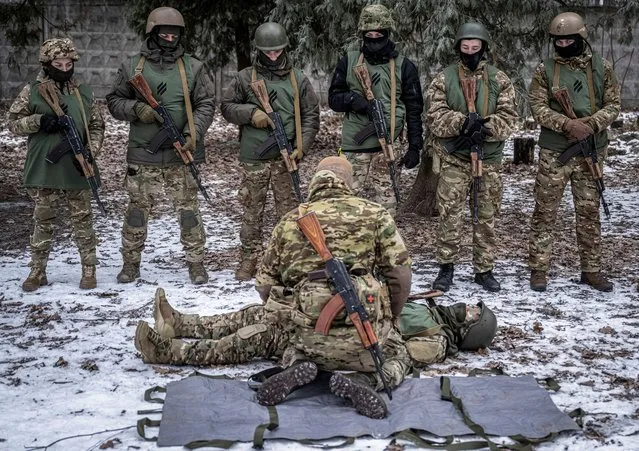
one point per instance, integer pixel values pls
(475, 123)
(49, 123)
(359, 104)
(411, 157)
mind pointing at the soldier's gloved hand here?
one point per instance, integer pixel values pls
(577, 130)
(49, 123)
(297, 155)
(474, 123)
(359, 104)
(260, 119)
(147, 114)
(188, 144)
(411, 157)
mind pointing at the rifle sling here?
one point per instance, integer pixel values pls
(591, 86)
(84, 121)
(393, 93)
(187, 101)
(296, 107)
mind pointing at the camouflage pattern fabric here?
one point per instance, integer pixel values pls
(46, 205)
(231, 338)
(57, 48)
(360, 233)
(455, 184)
(146, 186)
(256, 179)
(375, 17)
(372, 167)
(550, 184)
(552, 178)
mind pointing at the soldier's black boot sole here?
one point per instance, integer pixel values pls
(276, 388)
(366, 401)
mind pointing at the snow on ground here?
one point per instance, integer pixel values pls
(68, 366)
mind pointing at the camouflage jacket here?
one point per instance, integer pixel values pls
(22, 121)
(357, 231)
(554, 120)
(445, 122)
(122, 98)
(237, 108)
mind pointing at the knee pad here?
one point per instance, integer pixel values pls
(135, 218)
(188, 219)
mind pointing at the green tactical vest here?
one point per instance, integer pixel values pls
(381, 82)
(172, 98)
(280, 91)
(62, 175)
(576, 81)
(493, 151)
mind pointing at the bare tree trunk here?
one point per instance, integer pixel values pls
(422, 197)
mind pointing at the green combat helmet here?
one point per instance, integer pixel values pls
(472, 30)
(57, 48)
(270, 36)
(566, 24)
(164, 16)
(375, 17)
(480, 333)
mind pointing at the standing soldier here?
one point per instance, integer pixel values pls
(153, 164)
(292, 96)
(395, 81)
(48, 183)
(578, 81)
(457, 128)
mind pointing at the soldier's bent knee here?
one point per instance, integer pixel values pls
(135, 218)
(188, 219)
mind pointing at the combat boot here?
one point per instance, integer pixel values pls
(130, 272)
(538, 280)
(37, 278)
(445, 277)
(166, 317)
(197, 273)
(276, 388)
(152, 346)
(88, 279)
(246, 270)
(488, 281)
(596, 280)
(358, 390)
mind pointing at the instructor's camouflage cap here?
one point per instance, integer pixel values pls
(57, 48)
(339, 166)
(375, 17)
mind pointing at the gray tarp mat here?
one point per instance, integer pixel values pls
(201, 408)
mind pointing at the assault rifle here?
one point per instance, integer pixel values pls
(584, 147)
(70, 131)
(379, 125)
(469, 86)
(346, 297)
(278, 137)
(168, 127)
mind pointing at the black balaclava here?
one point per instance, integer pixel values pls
(574, 49)
(472, 61)
(58, 75)
(164, 44)
(378, 50)
(279, 63)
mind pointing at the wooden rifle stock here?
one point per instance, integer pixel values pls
(362, 74)
(260, 91)
(141, 86)
(310, 227)
(469, 87)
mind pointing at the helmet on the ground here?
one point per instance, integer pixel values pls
(270, 36)
(566, 24)
(375, 17)
(480, 333)
(472, 30)
(164, 15)
(57, 48)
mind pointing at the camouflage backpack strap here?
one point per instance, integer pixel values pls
(298, 114)
(140, 66)
(187, 101)
(76, 92)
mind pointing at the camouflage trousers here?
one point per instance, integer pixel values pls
(343, 350)
(46, 205)
(256, 179)
(373, 166)
(147, 186)
(550, 184)
(454, 186)
(229, 338)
